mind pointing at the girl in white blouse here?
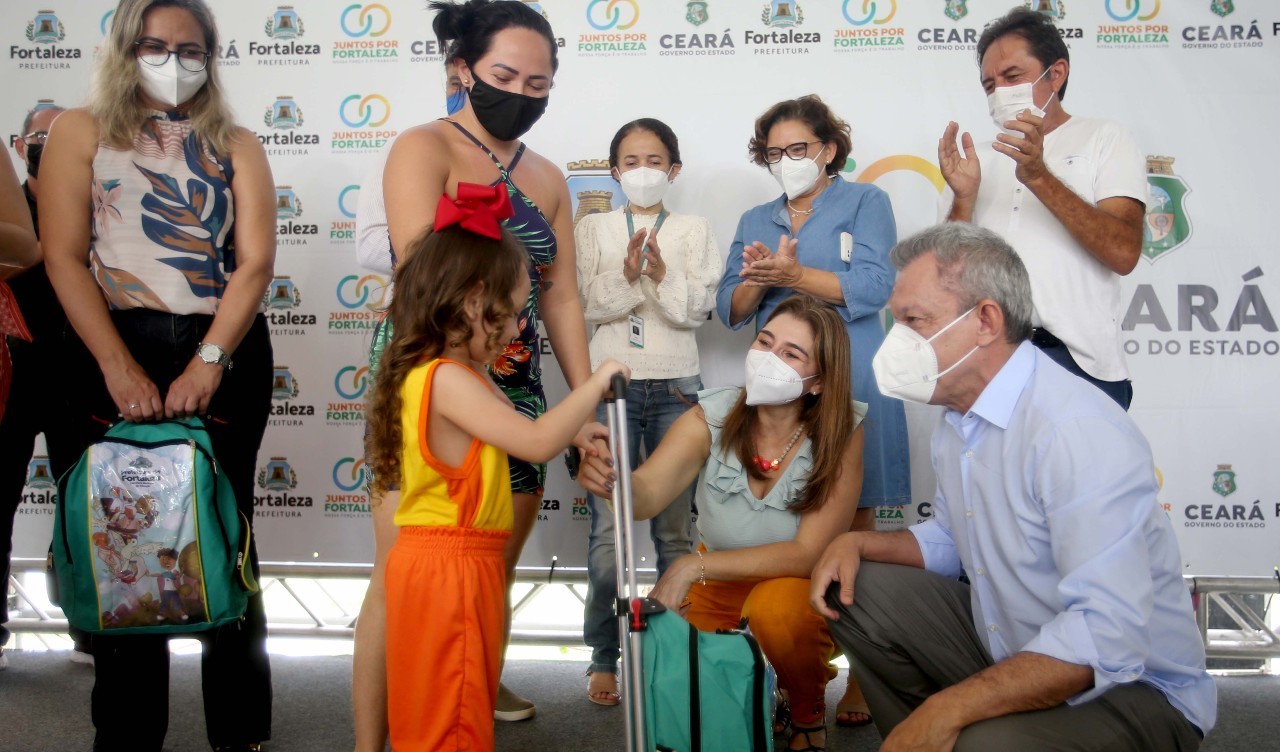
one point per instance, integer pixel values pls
(647, 277)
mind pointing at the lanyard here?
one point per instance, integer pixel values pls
(631, 227)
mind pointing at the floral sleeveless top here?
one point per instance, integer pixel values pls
(163, 223)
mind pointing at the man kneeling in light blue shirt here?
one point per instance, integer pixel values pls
(1075, 630)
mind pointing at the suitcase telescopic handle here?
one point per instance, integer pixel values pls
(618, 387)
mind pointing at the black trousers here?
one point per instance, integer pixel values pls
(235, 670)
(37, 404)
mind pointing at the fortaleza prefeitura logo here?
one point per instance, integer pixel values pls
(362, 298)
(343, 231)
(1229, 514)
(1218, 34)
(365, 117)
(949, 37)
(782, 31)
(284, 45)
(695, 38)
(349, 478)
(286, 135)
(614, 32)
(592, 189)
(1133, 25)
(350, 387)
(41, 493)
(287, 411)
(1057, 10)
(279, 303)
(277, 479)
(290, 231)
(367, 28)
(44, 50)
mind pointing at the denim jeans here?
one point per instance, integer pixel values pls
(235, 673)
(652, 406)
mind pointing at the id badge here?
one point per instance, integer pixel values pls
(635, 330)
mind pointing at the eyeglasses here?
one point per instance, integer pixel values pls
(156, 54)
(798, 150)
(36, 137)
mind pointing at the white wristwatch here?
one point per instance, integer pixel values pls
(212, 354)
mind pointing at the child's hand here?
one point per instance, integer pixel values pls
(605, 373)
(592, 439)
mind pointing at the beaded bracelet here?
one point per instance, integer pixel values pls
(702, 567)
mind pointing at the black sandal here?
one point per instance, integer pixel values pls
(782, 716)
(807, 731)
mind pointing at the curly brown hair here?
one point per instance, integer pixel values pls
(813, 112)
(431, 287)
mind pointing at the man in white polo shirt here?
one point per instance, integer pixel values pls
(1067, 193)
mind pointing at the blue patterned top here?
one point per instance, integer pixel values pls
(163, 221)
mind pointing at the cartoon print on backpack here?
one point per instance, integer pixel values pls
(176, 589)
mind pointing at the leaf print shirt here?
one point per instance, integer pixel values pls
(163, 221)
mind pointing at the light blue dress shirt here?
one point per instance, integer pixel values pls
(863, 212)
(1047, 500)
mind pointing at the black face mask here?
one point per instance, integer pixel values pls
(33, 158)
(507, 116)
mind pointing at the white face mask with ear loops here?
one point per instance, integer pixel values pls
(770, 381)
(906, 365)
(1005, 102)
(170, 83)
(645, 186)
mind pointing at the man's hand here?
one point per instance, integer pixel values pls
(1027, 150)
(961, 171)
(928, 729)
(839, 563)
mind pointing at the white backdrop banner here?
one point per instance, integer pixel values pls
(326, 83)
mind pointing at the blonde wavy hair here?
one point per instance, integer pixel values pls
(114, 97)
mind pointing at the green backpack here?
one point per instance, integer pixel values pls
(147, 538)
(705, 690)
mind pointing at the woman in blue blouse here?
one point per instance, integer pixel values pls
(777, 467)
(828, 238)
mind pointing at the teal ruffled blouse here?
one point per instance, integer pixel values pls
(731, 516)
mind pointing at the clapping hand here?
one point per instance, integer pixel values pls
(762, 267)
(1027, 149)
(961, 171)
(653, 267)
(634, 261)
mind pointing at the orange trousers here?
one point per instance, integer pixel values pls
(792, 636)
(446, 588)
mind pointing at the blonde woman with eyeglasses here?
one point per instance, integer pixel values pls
(158, 222)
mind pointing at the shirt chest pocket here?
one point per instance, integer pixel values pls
(1076, 172)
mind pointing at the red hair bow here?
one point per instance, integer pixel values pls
(478, 208)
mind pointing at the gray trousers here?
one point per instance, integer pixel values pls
(910, 633)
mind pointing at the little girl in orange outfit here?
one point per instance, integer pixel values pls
(442, 429)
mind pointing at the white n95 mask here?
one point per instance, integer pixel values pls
(771, 381)
(644, 186)
(170, 84)
(906, 366)
(796, 176)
